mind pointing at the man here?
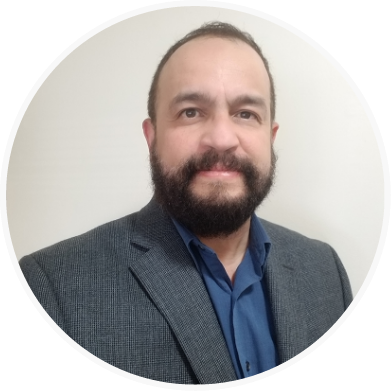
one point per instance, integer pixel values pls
(194, 288)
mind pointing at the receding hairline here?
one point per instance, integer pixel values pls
(210, 37)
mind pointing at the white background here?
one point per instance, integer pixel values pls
(79, 158)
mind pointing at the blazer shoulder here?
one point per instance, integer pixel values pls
(286, 237)
(88, 260)
(311, 256)
(89, 245)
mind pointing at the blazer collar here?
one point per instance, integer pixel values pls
(167, 272)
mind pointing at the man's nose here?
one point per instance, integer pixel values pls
(220, 133)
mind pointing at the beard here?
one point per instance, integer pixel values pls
(217, 214)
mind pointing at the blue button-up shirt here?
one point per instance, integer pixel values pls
(242, 308)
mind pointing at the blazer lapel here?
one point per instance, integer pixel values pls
(286, 304)
(169, 276)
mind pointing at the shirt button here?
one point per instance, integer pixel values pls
(247, 366)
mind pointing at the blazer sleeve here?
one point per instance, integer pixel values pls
(42, 288)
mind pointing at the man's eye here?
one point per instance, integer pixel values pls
(190, 113)
(246, 115)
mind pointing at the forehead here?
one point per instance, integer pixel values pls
(213, 63)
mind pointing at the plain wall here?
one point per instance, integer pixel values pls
(79, 158)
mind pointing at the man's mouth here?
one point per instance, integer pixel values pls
(219, 171)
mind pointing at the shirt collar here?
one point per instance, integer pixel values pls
(259, 240)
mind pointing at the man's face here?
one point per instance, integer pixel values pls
(213, 110)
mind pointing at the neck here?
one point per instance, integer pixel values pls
(231, 249)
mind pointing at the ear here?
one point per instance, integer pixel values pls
(149, 132)
(275, 127)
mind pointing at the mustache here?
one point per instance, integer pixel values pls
(210, 159)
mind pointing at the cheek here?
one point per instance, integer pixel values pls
(175, 149)
(259, 151)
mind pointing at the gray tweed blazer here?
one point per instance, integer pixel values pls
(129, 293)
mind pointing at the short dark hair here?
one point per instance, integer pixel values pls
(211, 29)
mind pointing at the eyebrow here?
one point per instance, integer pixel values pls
(252, 100)
(196, 97)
